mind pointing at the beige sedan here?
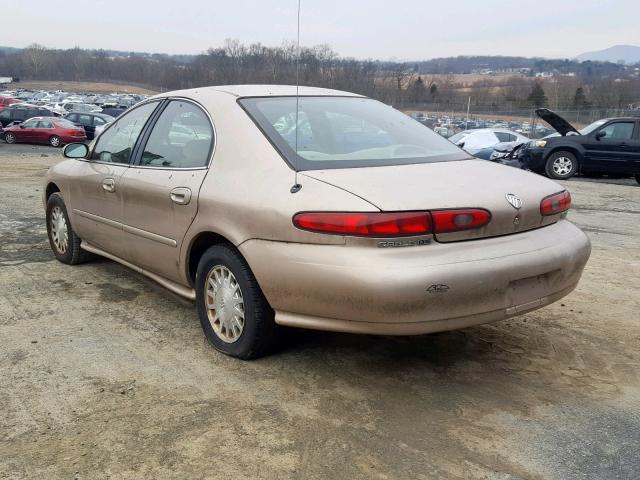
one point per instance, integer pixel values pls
(325, 210)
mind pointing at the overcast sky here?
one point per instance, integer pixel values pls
(383, 29)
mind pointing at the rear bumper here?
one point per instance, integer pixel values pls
(422, 289)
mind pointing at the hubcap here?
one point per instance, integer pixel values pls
(59, 230)
(55, 141)
(562, 166)
(225, 305)
(9, 138)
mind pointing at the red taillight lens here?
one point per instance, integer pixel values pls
(365, 224)
(446, 221)
(556, 203)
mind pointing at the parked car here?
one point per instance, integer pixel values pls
(329, 229)
(51, 130)
(7, 101)
(472, 141)
(114, 112)
(14, 114)
(609, 146)
(89, 121)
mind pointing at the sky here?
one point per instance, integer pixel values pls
(379, 29)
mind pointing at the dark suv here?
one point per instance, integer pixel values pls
(609, 146)
(20, 114)
(89, 121)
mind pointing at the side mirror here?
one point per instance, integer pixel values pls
(601, 134)
(461, 144)
(75, 150)
(22, 126)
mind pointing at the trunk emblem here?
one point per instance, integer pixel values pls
(514, 201)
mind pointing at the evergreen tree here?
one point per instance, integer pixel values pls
(537, 97)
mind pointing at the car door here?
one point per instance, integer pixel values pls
(96, 195)
(86, 122)
(161, 189)
(610, 148)
(43, 131)
(26, 132)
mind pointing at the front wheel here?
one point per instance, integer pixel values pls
(234, 314)
(561, 165)
(55, 141)
(63, 240)
(9, 138)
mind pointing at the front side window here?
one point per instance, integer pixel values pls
(618, 131)
(116, 144)
(345, 132)
(181, 138)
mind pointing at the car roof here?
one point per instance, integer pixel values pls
(265, 91)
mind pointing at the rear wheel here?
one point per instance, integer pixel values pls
(63, 240)
(9, 138)
(234, 314)
(561, 165)
(55, 141)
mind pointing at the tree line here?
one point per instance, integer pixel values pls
(431, 85)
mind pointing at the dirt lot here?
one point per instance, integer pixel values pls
(103, 374)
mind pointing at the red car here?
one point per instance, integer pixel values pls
(7, 101)
(51, 130)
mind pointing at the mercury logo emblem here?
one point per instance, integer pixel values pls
(514, 201)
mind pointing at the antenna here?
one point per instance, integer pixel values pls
(296, 186)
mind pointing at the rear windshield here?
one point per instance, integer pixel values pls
(65, 123)
(346, 132)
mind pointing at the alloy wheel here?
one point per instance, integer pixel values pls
(562, 166)
(54, 141)
(225, 304)
(59, 230)
(9, 138)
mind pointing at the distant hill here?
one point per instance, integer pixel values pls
(627, 53)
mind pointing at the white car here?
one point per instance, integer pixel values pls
(472, 141)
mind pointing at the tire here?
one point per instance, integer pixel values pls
(638, 178)
(9, 138)
(561, 165)
(227, 290)
(68, 251)
(55, 141)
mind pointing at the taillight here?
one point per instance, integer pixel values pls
(392, 224)
(365, 224)
(446, 221)
(556, 203)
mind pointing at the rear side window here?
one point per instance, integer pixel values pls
(181, 138)
(505, 137)
(346, 132)
(116, 144)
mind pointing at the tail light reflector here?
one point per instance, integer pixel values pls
(556, 203)
(365, 224)
(446, 221)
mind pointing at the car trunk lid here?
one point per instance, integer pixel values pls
(451, 185)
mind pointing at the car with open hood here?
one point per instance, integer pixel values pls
(608, 146)
(274, 206)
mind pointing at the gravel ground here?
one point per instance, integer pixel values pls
(103, 374)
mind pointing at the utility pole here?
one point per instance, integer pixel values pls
(466, 125)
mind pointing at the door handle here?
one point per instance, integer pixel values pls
(109, 185)
(181, 195)
(623, 145)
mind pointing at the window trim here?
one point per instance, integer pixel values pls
(135, 146)
(634, 132)
(137, 155)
